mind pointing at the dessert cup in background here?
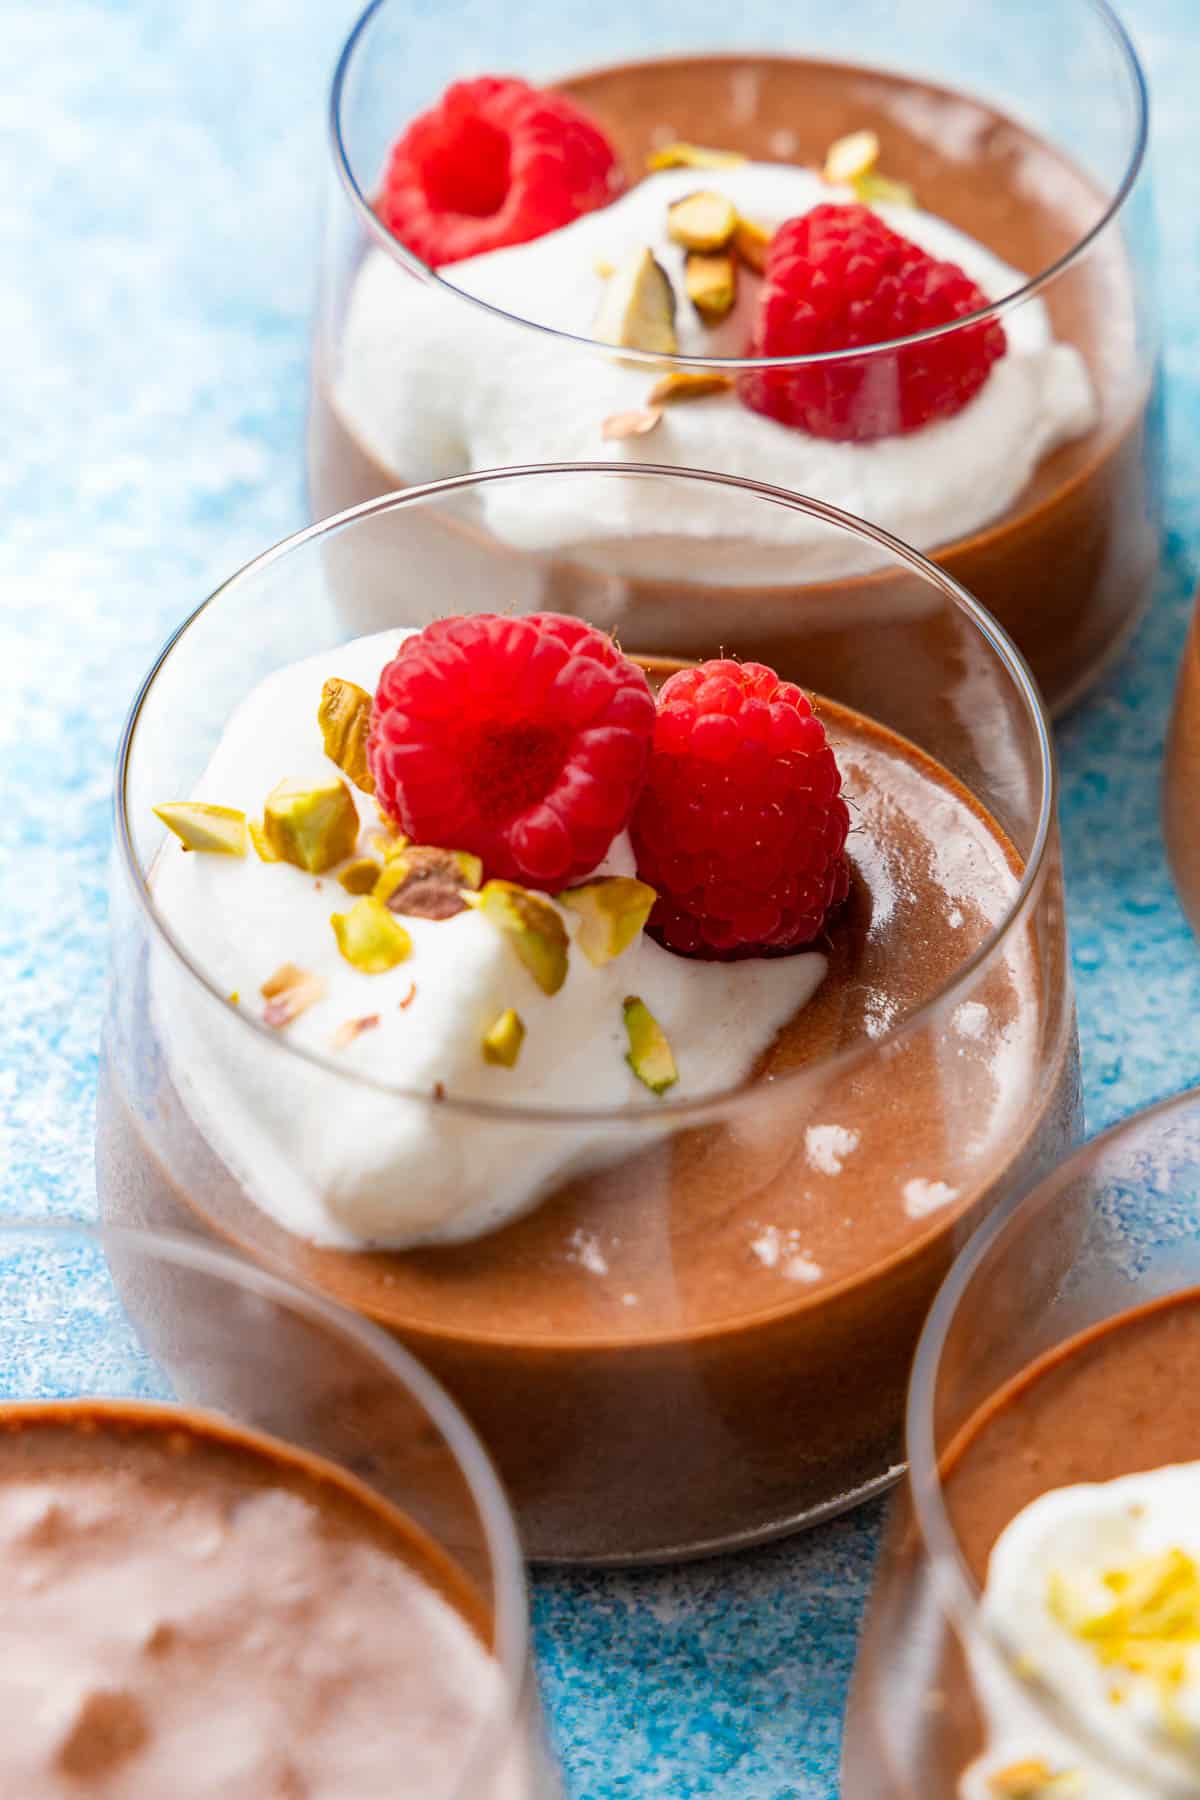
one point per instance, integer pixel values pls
(680, 1320)
(1024, 155)
(1181, 779)
(212, 1581)
(1019, 1628)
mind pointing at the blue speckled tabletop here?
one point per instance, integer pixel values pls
(157, 243)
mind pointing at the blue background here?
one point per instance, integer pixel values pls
(163, 179)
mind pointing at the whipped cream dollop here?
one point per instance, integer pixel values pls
(377, 1160)
(1093, 1594)
(430, 386)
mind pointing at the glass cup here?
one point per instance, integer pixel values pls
(1114, 1229)
(1181, 779)
(1041, 498)
(161, 1325)
(701, 1337)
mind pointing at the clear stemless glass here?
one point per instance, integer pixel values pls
(699, 1335)
(1041, 497)
(1114, 1229)
(158, 1326)
(1181, 777)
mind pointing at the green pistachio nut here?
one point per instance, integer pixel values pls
(314, 828)
(344, 716)
(360, 876)
(613, 912)
(218, 830)
(649, 1054)
(426, 882)
(502, 1041)
(531, 925)
(369, 938)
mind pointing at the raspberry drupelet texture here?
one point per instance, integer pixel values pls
(741, 826)
(840, 279)
(495, 162)
(524, 740)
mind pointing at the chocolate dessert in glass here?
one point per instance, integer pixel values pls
(900, 262)
(634, 1027)
(213, 1580)
(1035, 1626)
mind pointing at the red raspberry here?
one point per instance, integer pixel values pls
(524, 740)
(740, 826)
(839, 278)
(494, 162)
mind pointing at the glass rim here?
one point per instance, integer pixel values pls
(996, 309)
(958, 1585)
(512, 1649)
(702, 1109)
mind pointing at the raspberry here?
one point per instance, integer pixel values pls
(839, 278)
(741, 826)
(523, 740)
(494, 162)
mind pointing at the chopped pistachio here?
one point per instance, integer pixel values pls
(649, 1054)
(630, 424)
(687, 384)
(369, 938)
(289, 992)
(219, 830)
(692, 156)
(850, 157)
(613, 912)
(234, 998)
(531, 925)
(313, 828)
(751, 243)
(1033, 1779)
(711, 283)
(502, 1041)
(638, 308)
(702, 221)
(426, 882)
(344, 716)
(875, 188)
(353, 1028)
(385, 842)
(360, 876)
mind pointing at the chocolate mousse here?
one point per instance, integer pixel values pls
(1181, 781)
(1067, 566)
(193, 1610)
(700, 1333)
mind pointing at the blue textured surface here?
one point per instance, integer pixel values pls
(157, 234)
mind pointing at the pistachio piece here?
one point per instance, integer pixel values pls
(531, 925)
(613, 912)
(1033, 1779)
(219, 830)
(360, 876)
(638, 309)
(871, 189)
(649, 1054)
(426, 882)
(630, 424)
(369, 938)
(850, 157)
(502, 1041)
(344, 716)
(751, 243)
(692, 156)
(353, 1028)
(711, 283)
(289, 992)
(687, 384)
(704, 220)
(312, 828)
